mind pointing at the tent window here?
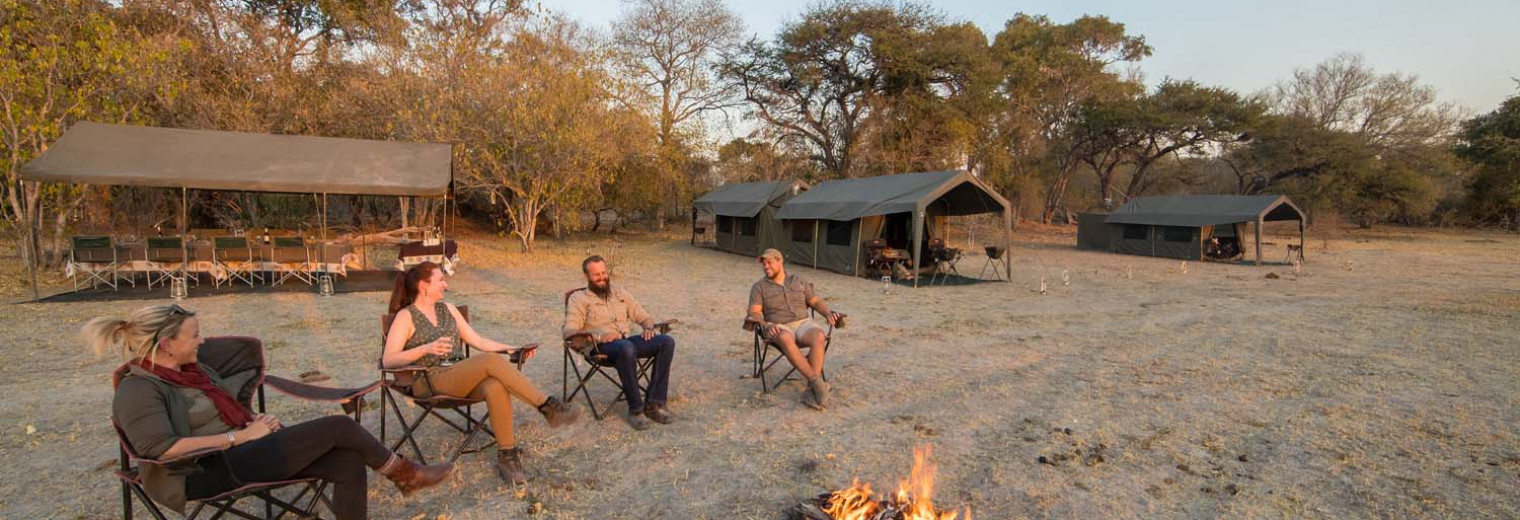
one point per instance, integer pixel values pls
(802, 231)
(747, 227)
(1177, 234)
(1135, 232)
(839, 232)
(725, 224)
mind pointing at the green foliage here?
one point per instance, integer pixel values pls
(1491, 143)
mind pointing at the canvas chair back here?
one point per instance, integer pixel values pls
(166, 249)
(289, 250)
(996, 252)
(233, 249)
(93, 249)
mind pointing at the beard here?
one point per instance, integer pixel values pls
(603, 289)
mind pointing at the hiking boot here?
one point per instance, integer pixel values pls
(820, 390)
(557, 413)
(410, 477)
(658, 413)
(810, 400)
(637, 420)
(509, 466)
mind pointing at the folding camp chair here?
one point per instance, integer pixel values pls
(168, 259)
(95, 258)
(944, 259)
(235, 256)
(763, 347)
(289, 258)
(583, 346)
(995, 257)
(236, 359)
(396, 384)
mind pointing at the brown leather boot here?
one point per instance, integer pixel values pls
(410, 477)
(557, 413)
(509, 466)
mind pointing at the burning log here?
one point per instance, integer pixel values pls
(913, 499)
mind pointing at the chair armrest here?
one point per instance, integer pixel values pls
(182, 459)
(409, 369)
(751, 324)
(665, 326)
(516, 357)
(839, 318)
(579, 341)
(307, 392)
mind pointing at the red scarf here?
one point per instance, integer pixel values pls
(190, 376)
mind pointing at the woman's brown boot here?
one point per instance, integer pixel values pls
(509, 466)
(410, 476)
(557, 413)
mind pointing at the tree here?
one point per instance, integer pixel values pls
(1491, 143)
(1184, 118)
(1050, 72)
(1341, 135)
(668, 50)
(538, 130)
(64, 62)
(818, 80)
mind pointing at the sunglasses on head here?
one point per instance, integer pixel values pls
(174, 310)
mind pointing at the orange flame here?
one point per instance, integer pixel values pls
(914, 498)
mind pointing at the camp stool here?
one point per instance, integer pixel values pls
(994, 259)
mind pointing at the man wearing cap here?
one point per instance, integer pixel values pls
(780, 303)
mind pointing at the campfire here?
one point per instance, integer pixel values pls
(913, 500)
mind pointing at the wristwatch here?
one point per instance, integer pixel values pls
(231, 440)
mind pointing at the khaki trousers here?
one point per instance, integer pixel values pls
(486, 376)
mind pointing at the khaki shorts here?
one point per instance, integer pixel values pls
(801, 328)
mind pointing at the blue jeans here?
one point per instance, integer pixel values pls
(626, 353)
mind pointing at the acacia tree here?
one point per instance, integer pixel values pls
(820, 77)
(667, 52)
(1049, 73)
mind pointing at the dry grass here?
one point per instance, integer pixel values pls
(1382, 382)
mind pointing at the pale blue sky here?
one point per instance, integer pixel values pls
(1467, 49)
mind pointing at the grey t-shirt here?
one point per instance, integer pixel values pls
(785, 302)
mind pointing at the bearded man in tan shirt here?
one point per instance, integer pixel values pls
(607, 313)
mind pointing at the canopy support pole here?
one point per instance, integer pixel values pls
(1258, 241)
(815, 244)
(184, 242)
(1302, 243)
(918, 237)
(1008, 243)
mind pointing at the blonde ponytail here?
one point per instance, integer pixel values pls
(132, 338)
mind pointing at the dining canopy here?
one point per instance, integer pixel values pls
(125, 155)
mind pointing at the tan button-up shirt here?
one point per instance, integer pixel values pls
(784, 302)
(588, 312)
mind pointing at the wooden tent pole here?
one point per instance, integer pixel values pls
(1258, 241)
(31, 239)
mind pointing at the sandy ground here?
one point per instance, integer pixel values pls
(1381, 382)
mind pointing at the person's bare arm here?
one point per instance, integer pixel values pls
(396, 355)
